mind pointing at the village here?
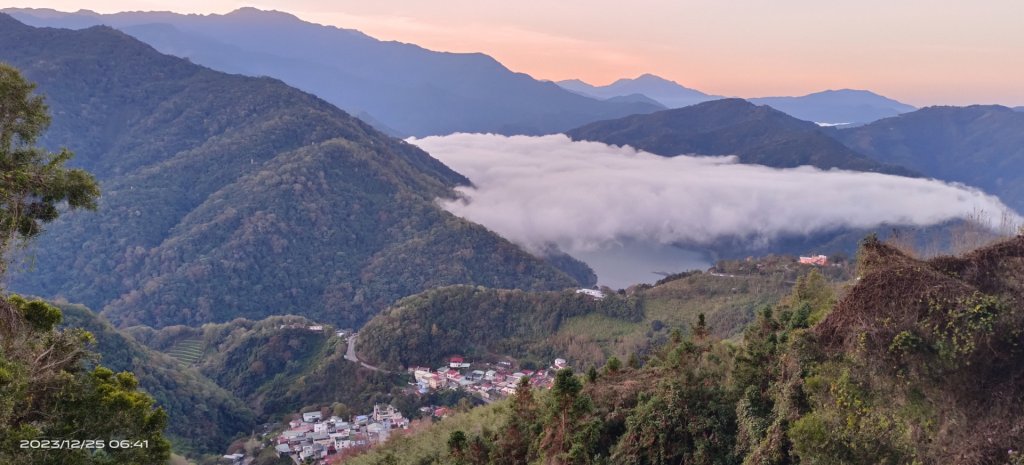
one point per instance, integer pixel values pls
(312, 438)
(487, 381)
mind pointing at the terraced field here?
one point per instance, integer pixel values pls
(187, 351)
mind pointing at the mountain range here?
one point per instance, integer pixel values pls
(756, 134)
(228, 196)
(671, 94)
(832, 107)
(404, 88)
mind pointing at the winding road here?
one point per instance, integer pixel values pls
(350, 355)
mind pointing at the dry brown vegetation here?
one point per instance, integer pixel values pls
(944, 338)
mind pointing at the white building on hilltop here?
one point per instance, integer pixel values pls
(592, 293)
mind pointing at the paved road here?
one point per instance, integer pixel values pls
(350, 355)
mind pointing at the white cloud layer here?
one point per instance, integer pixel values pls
(584, 195)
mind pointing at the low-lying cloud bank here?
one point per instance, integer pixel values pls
(546, 190)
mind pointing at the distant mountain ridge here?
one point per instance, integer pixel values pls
(411, 90)
(844, 106)
(668, 93)
(227, 196)
(755, 134)
(979, 145)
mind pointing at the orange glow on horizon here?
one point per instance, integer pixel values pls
(917, 51)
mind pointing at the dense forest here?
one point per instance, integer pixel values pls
(918, 363)
(227, 196)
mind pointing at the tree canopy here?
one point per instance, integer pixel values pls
(51, 402)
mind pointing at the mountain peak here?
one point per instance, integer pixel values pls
(578, 82)
(248, 12)
(667, 93)
(837, 106)
(653, 78)
(731, 103)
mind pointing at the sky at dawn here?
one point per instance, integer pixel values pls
(921, 52)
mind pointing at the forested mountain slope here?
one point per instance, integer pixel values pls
(755, 134)
(227, 196)
(979, 145)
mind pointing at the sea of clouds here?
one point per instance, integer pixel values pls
(538, 191)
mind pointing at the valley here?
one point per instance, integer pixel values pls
(265, 237)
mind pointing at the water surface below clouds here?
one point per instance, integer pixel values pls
(626, 263)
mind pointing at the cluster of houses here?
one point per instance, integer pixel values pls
(316, 438)
(486, 381)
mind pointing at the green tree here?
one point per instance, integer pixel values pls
(613, 365)
(517, 436)
(565, 440)
(33, 182)
(46, 391)
(457, 444)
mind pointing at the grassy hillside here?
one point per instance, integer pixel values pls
(918, 363)
(226, 196)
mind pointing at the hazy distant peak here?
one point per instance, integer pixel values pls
(668, 93)
(47, 13)
(837, 106)
(249, 12)
(578, 82)
(648, 78)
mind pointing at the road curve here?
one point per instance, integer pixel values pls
(350, 355)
